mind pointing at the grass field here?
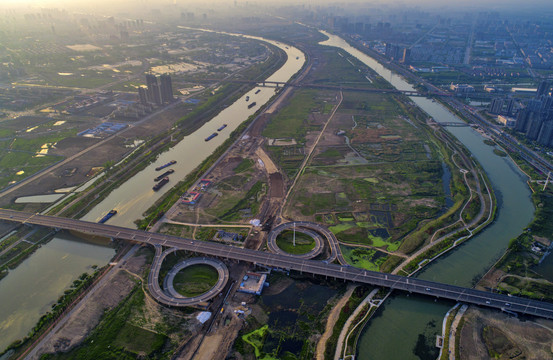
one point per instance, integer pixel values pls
(291, 122)
(255, 339)
(370, 259)
(304, 242)
(195, 280)
(116, 337)
(378, 187)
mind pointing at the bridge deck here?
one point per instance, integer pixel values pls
(456, 293)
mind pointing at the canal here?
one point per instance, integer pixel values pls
(404, 324)
(27, 292)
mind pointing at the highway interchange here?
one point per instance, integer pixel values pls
(322, 268)
(299, 227)
(168, 295)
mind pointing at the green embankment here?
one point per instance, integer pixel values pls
(195, 280)
(304, 242)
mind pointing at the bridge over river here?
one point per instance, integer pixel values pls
(343, 272)
(361, 88)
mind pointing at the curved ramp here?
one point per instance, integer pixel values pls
(169, 296)
(317, 232)
(271, 241)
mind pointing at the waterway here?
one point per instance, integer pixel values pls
(394, 331)
(39, 281)
(135, 196)
(34, 286)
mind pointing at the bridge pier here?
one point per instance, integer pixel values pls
(409, 285)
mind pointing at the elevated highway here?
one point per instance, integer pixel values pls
(280, 84)
(343, 272)
(168, 295)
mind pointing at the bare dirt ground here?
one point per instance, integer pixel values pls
(218, 344)
(81, 322)
(112, 150)
(331, 321)
(490, 280)
(533, 337)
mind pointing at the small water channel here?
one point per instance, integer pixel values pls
(396, 331)
(446, 180)
(29, 290)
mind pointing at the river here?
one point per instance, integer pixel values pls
(29, 290)
(394, 331)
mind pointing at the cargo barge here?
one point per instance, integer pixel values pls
(247, 98)
(257, 91)
(222, 127)
(251, 105)
(168, 172)
(211, 136)
(160, 184)
(108, 216)
(172, 162)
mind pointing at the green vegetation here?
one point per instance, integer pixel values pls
(339, 68)
(69, 296)
(162, 205)
(18, 253)
(520, 257)
(244, 166)
(499, 152)
(116, 337)
(292, 120)
(285, 324)
(250, 201)
(364, 258)
(255, 339)
(176, 230)
(195, 280)
(399, 194)
(499, 346)
(304, 242)
(17, 165)
(357, 296)
(433, 251)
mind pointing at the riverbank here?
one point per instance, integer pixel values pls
(459, 267)
(185, 121)
(139, 160)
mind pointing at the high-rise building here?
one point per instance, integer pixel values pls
(545, 137)
(535, 105)
(166, 88)
(406, 56)
(522, 119)
(496, 106)
(535, 122)
(509, 105)
(543, 89)
(150, 80)
(155, 93)
(143, 95)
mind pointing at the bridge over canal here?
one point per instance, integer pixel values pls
(322, 268)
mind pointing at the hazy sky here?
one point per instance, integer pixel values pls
(538, 5)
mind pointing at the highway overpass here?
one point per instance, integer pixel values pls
(348, 273)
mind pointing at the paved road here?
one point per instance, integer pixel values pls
(57, 165)
(456, 293)
(169, 296)
(272, 244)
